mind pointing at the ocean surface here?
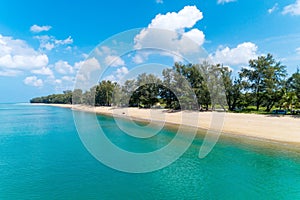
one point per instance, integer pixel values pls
(42, 157)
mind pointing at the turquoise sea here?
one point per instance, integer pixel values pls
(42, 157)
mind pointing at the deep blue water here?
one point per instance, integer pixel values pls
(42, 157)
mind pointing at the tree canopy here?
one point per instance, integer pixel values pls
(203, 86)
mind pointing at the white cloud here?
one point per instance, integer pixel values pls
(60, 84)
(68, 78)
(273, 9)
(78, 65)
(33, 81)
(63, 67)
(109, 56)
(50, 42)
(10, 72)
(36, 29)
(293, 9)
(18, 55)
(159, 1)
(48, 46)
(89, 65)
(68, 40)
(105, 50)
(172, 31)
(58, 81)
(239, 55)
(111, 78)
(140, 56)
(88, 73)
(298, 50)
(225, 1)
(43, 71)
(138, 59)
(117, 75)
(114, 61)
(196, 35)
(121, 72)
(23, 61)
(185, 18)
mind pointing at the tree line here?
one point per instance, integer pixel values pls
(263, 84)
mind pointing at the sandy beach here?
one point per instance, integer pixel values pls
(273, 128)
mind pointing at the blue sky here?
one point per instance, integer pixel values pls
(43, 43)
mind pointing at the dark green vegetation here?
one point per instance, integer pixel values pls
(258, 88)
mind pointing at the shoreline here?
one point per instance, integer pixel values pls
(274, 129)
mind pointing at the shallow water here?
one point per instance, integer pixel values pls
(42, 157)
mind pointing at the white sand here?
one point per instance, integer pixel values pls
(283, 129)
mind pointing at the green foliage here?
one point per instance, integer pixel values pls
(263, 79)
(104, 91)
(257, 89)
(233, 89)
(293, 83)
(65, 98)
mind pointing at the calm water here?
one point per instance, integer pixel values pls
(42, 157)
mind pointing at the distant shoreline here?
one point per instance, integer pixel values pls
(282, 130)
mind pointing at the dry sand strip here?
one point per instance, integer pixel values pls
(273, 128)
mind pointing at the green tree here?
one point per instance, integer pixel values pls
(186, 85)
(67, 97)
(167, 90)
(147, 93)
(293, 83)
(263, 78)
(77, 96)
(104, 93)
(232, 88)
(88, 97)
(129, 98)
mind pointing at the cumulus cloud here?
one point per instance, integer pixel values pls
(50, 42)
(196, 35)
(140, 56)
(138, 59)
(16, 54)
(33, 81)
(239, 55)
(121, 72)
(68, 78)
(89, 65)
(114, 61)
(225, 1)
(292, 9)
(88, 73)
(60, 83)
(117, 75)
(36, 29)
(273, 9)
(172, 31)
(48, 46)
(10, 72)
(43, 71)
(109, 57)
(185, 18)
(68, 40)
(104, 50)
(63, 67)
(159, 1)
(298, 50)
